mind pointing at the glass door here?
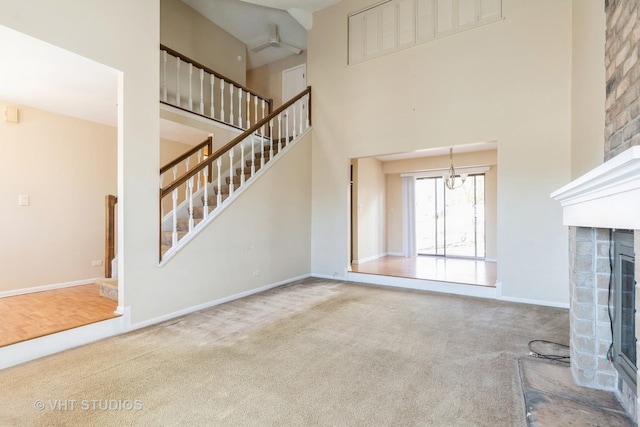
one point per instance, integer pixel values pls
(450, 222)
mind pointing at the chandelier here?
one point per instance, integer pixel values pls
(450, 176)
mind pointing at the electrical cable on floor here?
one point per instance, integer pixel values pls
(555, 357)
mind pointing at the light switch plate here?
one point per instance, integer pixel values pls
(23, 200)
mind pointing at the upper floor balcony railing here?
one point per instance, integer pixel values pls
(188, 85)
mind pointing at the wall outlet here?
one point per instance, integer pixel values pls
(256, 273)
(96, 263)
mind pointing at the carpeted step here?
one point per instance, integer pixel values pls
(224, 189)
(212, 200)
(198, 212)
(236, 179)
(247, 169)
(167, 239)
(183, 223)
(108, 288)
(261, 155)
(248, 164)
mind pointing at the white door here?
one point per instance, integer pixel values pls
(294, 81)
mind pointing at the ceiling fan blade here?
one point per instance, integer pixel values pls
(260, 47)
(293, 49)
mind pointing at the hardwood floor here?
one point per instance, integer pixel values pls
(33, 315)
(455, 270)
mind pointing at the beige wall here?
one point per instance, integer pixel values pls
(509, 81)
(218, 263)
(267, 80)
(393, 169)
(267, 229)
(186, 31)
(369, 210)
(66, 166)
(588, 86)
(132, 50)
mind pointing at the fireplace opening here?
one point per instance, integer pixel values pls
(622, 306)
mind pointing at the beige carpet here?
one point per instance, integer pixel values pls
(313, 353)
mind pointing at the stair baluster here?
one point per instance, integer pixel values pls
(293, 113)
(187, 164)
(231, 185)
(255, 110)
(205, 203)
(190, 87)
(174, 234)
(261, 151)
(219, 195)
(253, 155)
(231, 103)
(239, 107)
(178, 82)
(164, 75)
(241, 164)
(280, 130)
(270, 139)
(201, 91)
(286, 124)
(300, 117)
(213, 82)
(248, 110)
(222, 100)
(190, 187)
(199, 155)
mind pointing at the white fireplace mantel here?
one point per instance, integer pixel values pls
(605, 197)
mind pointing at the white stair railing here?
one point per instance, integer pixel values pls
(177, 82)
(225, 171)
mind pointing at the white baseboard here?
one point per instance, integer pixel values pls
(395, 254)
(209, 304)
(535, 302)
(46, 287)
(369, 258)
(425, 285)
(329, 276)
(26, 351)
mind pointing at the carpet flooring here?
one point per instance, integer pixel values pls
(315, 352)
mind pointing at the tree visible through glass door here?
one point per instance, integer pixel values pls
(450, 222)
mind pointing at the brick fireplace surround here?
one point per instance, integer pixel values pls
(605, 198)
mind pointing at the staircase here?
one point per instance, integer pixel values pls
(251, 166)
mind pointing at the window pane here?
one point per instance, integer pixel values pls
(460, 223)
(426, 216)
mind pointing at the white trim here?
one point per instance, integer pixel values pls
(369, 258)
(213, 303)
(36, 348)
(608, 196)
(395, 254)
(47, 287)
(194, 115)
(331, 277)
(535, 302)
(431, 173)
(425, 285)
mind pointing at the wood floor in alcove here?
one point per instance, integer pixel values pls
(454, 270)
(27, 316)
